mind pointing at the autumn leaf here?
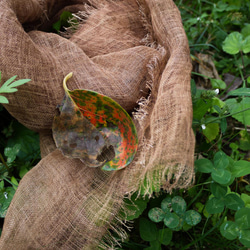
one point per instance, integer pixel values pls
(95, 129)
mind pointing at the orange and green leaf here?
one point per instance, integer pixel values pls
(102, 118)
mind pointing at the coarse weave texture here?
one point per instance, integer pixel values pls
(135, 52)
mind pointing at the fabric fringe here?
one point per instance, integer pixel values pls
(77, 21)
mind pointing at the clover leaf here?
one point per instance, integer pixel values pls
(235, 42)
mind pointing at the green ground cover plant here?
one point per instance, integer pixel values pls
(19, 152)
(215, 212)
(19, 148)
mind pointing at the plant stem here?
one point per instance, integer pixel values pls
(4, 162)
(198, 74)
(203, 44)
(195, 198)
(219, 118)
(9, 182)
(242, 59)
(241, 74)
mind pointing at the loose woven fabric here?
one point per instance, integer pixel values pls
(135, 52)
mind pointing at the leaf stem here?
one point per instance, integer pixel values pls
(219, 118)
(198, 74)
(241, 74)
(66, 78)
(4, 162)
(242, 60)
(10, 182)
(195, 198)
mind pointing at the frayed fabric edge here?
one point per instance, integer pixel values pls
(77, 21)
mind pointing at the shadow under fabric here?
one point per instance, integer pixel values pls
(135, 52)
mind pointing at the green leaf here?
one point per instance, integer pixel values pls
(9, 87)
(238, 107)
(165, 236)
(242, 218)
(245, 237)
(1, 185)
(192, 217)
(215, 206)
(146, 188)
(57, 25)
(19, 82)
(5, 200)
(221, 160)
(186, 227)
(156, 214)
(3, 99)
(12, 152)
(29, 141)
(240, 168)
(216, 109)
(234, 202)
(211, 131)
(24, 169)
(246, 31)
(180, 225)
(217, 190)
(246, 199)
(14, 182)
(223, 125)
(179, 205)
(148, 230)
(244, 140)
(218, 84)
(4, 88)
(219, 103)
(221, 176)
(240, 92)
(154, 245)
(204, 165)
(246, 45)
(229, 230)
(193, 87)
(199, 206)
(134, 206)
(220, 7)
(63, 21)
(247, 187)
(166, 204)
(233, 43)
(171, 220)
(248, 79)
(200, 108)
